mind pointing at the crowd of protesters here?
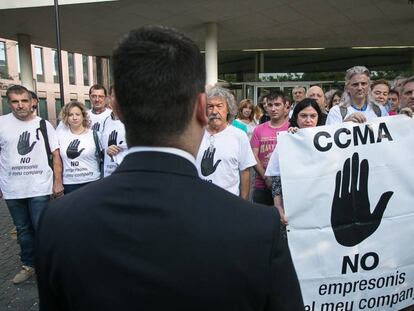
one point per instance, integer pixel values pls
(240, 140)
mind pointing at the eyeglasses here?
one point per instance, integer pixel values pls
(97, 96)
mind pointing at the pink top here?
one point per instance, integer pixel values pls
(265, 139)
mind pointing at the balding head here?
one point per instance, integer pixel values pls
(317, 94)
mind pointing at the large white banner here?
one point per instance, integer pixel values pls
(348, 193)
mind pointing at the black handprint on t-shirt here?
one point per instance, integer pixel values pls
(351, 217)
(23, 146)
(72, 151)
(112, 138)
(207, 163)
(96, 126)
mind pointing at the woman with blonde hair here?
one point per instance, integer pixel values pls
(79, 147)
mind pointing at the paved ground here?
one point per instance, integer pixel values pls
(13, 297)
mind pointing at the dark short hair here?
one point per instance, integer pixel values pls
(307, 102)
(273, 95)
(394, 91)
(17, 89)
(97, 87)
(34, 95)
(337, 93)
(158, 74)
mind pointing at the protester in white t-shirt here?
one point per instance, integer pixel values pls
(224, 156)
(78, 148)
(26, 176)
(99, 112)
(356, 104)
(114, 143)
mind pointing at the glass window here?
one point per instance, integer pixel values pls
(71, 65)
(42, 108)
(40, 77)
(58, 107)
(4, 72)
(5, 105)
(88, 103)
(85, 62)
(55, 67)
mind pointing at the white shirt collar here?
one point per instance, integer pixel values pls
(176, 151)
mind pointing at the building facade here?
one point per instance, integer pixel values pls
(79, 73)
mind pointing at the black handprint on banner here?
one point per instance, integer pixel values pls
(72, 151)
(23, 146)
(96, 126)
(207, 163)
(351, 217)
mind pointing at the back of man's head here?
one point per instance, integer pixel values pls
(158, 73)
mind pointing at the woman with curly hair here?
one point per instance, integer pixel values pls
(79, 147)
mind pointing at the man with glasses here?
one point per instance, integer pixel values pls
(99, 112)
(298, 93)
(357, 106)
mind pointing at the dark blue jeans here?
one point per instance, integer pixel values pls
(73, 187)
(26, 214)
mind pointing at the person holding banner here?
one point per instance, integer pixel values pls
(407, 95)
(356, 105)
(307, 113)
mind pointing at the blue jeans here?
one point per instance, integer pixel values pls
(26, 214)
(73, 187)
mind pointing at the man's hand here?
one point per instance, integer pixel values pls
(351, 217)
(113, 150)
(407, 111)
(23, 146)
(356, 117)
(208, 166)
(72, 151)
(57, 190)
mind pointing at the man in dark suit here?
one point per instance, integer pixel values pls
(153, 236)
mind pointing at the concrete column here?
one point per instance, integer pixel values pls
(261, 62)
(25, 57)
(211, 53)
(258, 64)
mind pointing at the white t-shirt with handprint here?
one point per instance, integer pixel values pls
(78, 157)
(113, 134)
(24, 167)
(222, 156)
(97, 120)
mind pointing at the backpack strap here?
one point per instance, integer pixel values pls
(344, 111)
(43, 130)
(98, 152)
(377, 110)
